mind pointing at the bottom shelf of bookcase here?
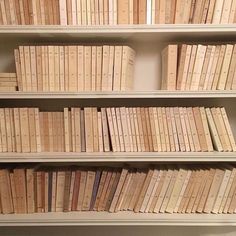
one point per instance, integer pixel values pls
(121, 218)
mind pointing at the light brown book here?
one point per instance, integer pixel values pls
(184, 129)
(120, 131)
(232, 12)
(56, 68)
(111, 130)
(136, 124)
(181, 65)
(174, 129)
(231, 72)
(115, 128)
(124, 124)
(166, 133)
(157, 129)
(30, 190)
(63, 12)
(101, 12)
(99, 68)
(25, 136)
(142, 11)
(149, 133)
(32, 130)
(79, 12)
(83, 179)
(169, 67)
(198, 11)
(225, 12)
(123, 12)
(87, 68)
(13, 192)
(80, 68)
(140, 128)
(105, 67)
(110, 68)
(100, 133)
(105, 130)
(88, 119)
(51, 70)
(95, 129)
(161, 129)
(84, 12)
(200, 129)
(144, 127)
(210, 12)
(93, 68)
(178, 12)
(217, 12)
(3, 130)
(153, 128)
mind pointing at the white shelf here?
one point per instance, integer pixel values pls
(121, 218)
(119, 157)
(157, 32)
(118, 95)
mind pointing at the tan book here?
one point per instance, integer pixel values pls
(87, 68)
(200, 129)
(184, 129)
(115, 12)
(32, 130)
(200, 55)
(142, 11)
(79, 12)
(157, 129)
(174, 129)
(144, 127)
(95, 129)
(230, 84)
(226, 12)
(179, 129)
(30, 190)
(99, 68)
(118, 190)
(149, 133)
(190, 67)
(60, 191)
(63, 12)
(227, 126)
(83, 12)
(93, 67)
(178, 12)
(110, 68)
(105, 130)
(51, 66)
(66, 130)
(92, 6)
(56, 68)
(119, 127)
(136, 124)
(105, 67)
(219, 128)
(18, 69)
(210, 12)
(232, 12)
(72, 123)
(101, 12)
(25, 135)
(225, 67)
(80, 70)
(27, 68)
(100, 133)
(166, 133)
(113, 135)
(72, 68)
(161, 129)
(217, 12)
(124, 124)
(198, 11)
(3, 130)
(140, 128)
(77, 130)
(117, 68)
(83, 179)
(169, 67)
(153, 129)
(88, 129)
(215, 186)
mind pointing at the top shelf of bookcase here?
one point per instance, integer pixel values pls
(170, 32)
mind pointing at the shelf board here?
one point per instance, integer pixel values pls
(161, 32)
(121, 218)
(118, 95)
(119, 157)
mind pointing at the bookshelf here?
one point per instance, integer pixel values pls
(139, 37)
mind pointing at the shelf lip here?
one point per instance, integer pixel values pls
(118, 95)
(118, 157)
(120, 218)
(161, 28)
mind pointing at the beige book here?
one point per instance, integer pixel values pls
(218, 67)
(222, 189)
(206, 129)
(179, 129)
(39, 68)
(95, 129)
(227, 191)
(118, 189)
(83, 12)
(101, 12)
(110, 68)
(225, 12)
(225, 67)
(228, 128)
(219, 128)
(217, 12)
(66, 130)
(178, 12)
(105, 130)
(181, 64)
(232, 12)
(8, 130)
(18, 69)
(82, 188)
(30, 190)
(27, 68)
(13, 135)
(200, 55)
(79, 12)
(184, 129)
(99, 68)
(142, 194)
(166, 133)
(212, 69)
(72, 183)
(161, 128)
(230, 83)
(87, 68)
(51, 69)
(72, 121)
(96, 11)
(115, 128)
(133, 132)
(77, 130)
(182, 173)
(183, 188)
(117, 68)
(140, 127)
(188, 129)
(169, 67)
(13, 191)
(215, 186)
(60, 185)
(88, 118)
(205, 67)
(198, 11)
(32, 130)
(123, 12)
(17, 130)
(105, 67)
(138, 139)
(157, 129)
(205, 6)
(174, 129)
(163, 191)
(210, 12)
(112, 130)
(105, 12)
(200, 129)
(73, 12)
(81, 68)
(88, 190)
(144, 126)
(120, 132)
(24, 125)
(56, 68)
(94, 69)
(124, 123)
(153, 130)
(63, 12)
(50, 130)
(149, 133)
(149, 190)
(190, 67)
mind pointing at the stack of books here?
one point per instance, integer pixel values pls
(74, 68)
(157, 189)
(8, 82)
(113, 12)
(117, 129)
(199, 67)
